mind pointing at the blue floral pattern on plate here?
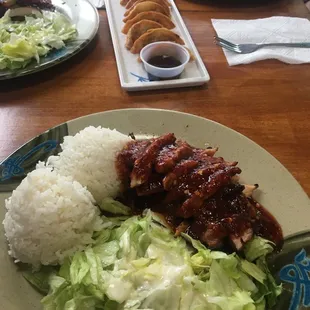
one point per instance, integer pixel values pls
(298, 274)
(15, 167)
(140, 78)
(291, 267)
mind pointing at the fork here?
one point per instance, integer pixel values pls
(250, 48)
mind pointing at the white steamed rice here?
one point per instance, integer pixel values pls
(89, 158)
(49, 217)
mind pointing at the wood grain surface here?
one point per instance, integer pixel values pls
(267, 101)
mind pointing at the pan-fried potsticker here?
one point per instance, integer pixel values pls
(155, 35)
(163, 3)
(154, 16)
(138, 29)
(145, 7)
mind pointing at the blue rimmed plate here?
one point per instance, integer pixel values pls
(86, 19)
(279, 192)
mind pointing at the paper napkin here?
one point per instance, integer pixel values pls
(266, 30)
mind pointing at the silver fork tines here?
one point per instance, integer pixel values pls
(250, 48)
(228, 47)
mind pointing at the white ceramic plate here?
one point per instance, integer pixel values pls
(279, 192)
(86, 19)
(131, 73)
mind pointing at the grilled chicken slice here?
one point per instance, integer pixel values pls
(143, 165)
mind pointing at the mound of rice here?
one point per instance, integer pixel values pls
(49, 217)
(89, 158)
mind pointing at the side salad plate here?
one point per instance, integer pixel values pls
(188, 230)
(44, 34)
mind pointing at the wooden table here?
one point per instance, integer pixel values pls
(267, 101)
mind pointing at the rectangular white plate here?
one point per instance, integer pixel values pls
(132, 75)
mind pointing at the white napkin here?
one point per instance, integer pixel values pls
(266, 30)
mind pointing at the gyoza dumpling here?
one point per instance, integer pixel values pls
(163, 3)
(154, 16)
(145, 7)
(138, 29)
(155, 35)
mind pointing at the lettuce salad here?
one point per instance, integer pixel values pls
(137, 263)
(23, 41)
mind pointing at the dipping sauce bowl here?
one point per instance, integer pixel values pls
(164, 60)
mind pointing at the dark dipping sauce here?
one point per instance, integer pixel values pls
(163, 61)
(225, 220)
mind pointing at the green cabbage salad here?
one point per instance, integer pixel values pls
(23, 41)
(137, 263)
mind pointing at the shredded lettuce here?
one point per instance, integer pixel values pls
(257, 247)
(115, 207)
(23, 41)
(137, 264)
(40, 280)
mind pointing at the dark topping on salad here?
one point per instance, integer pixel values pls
(12, 4)
(41, 4)
(198, 193)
